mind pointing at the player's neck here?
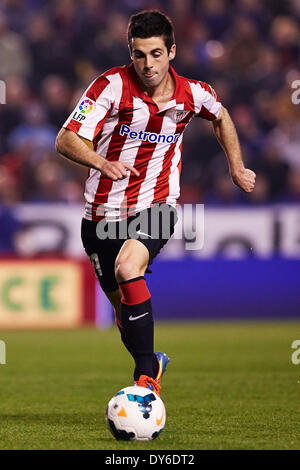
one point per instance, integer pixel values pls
(165, 88)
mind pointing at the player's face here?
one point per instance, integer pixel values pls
(151, 59)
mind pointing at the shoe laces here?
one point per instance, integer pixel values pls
(144, 381)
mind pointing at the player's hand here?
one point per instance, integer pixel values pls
(244, 179)
(116, 170)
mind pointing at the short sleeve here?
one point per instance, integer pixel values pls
(206, 101)
(92, 110)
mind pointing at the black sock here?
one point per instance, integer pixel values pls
(124, 339)
(137, 322)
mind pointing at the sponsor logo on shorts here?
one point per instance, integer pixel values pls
(148, 136)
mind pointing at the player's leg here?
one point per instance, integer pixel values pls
(136, 306)
(131, 261)
(115, 299)
(102, 254)
(161, 359)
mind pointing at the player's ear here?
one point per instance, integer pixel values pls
(172, 52)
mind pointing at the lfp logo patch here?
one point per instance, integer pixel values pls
(86, 106)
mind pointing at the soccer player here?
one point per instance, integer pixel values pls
(127, 129)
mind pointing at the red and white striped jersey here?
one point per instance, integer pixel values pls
(125, 124)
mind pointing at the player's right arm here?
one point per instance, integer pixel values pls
(75, 140)
(80, 150)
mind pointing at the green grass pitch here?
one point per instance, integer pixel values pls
(228, 386)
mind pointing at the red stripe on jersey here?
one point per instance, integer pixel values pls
(189, 97)
(74, 126)
(97, 133)
(142, 159)
(210, 90)
(115, 70)
(114, 149)
(93, 93)
(179, 163)
(162, 189)
(204, 113)
(97, 88)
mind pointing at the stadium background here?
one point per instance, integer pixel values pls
(249, 51)
(249, 266)
(233, 379)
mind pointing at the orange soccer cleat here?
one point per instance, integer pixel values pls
(149, 382)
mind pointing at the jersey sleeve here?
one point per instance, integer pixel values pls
(206, 100)
(92, 110)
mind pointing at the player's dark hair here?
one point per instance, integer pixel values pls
(149, 23)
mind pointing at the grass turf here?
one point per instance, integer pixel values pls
(228, 386)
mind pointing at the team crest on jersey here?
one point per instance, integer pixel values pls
(180, 115)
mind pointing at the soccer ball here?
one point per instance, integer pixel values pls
(135, 414)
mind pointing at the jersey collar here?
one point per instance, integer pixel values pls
(180, 99)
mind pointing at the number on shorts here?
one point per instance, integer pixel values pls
(96, 263)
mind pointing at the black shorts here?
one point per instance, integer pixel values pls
(103, 240)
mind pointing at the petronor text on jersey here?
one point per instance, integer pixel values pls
(150, 136)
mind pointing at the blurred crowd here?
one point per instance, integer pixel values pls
(248, 50)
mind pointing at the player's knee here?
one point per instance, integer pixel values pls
(125, 270)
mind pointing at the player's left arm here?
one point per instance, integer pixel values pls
(227, 137)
